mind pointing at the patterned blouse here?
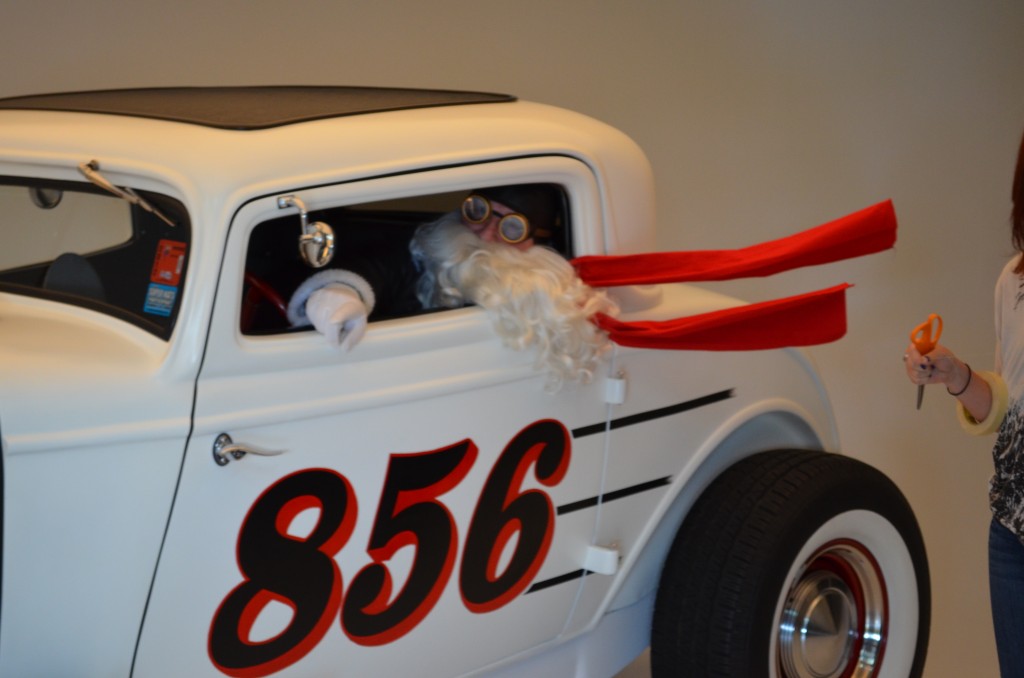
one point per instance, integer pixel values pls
(1006, 489)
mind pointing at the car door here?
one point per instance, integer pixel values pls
(427, 505)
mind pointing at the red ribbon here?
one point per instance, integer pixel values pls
(804, 320)
(867, 231)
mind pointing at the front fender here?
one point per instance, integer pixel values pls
(766, 427)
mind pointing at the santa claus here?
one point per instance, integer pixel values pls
(494, 252)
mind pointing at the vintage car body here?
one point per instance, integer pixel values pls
(432, 509)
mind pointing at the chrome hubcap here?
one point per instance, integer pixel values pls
(834, 620)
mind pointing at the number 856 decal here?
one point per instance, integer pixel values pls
(301, 572)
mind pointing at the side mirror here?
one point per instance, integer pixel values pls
(316, 242)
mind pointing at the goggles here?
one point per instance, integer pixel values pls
(513, 227)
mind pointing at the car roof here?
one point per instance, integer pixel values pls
(216, 146)
(247, 108)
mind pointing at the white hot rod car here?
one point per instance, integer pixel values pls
(192, 486)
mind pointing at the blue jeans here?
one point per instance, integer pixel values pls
(1006, 586)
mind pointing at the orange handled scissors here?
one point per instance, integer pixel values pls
(924, 337)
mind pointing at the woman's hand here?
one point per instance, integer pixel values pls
(940, 366)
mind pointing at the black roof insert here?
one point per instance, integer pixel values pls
(246, 108)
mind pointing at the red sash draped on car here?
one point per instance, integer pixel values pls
(814, 318)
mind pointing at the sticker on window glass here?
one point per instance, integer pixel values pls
(160, 299)
(168, 262)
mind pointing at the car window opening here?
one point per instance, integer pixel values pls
(76, 243)
(371, 239)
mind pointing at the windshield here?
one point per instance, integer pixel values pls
(80, 245)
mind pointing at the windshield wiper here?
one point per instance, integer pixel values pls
(91, 170)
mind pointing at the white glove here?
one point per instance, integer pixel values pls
(338, 313)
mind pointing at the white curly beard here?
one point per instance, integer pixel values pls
(533, 297)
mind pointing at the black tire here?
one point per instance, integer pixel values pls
(795, 564)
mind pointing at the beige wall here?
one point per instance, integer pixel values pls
(760, 118)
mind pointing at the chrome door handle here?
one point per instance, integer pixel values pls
(225, 449)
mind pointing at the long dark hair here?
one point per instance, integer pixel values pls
(1017, 214)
